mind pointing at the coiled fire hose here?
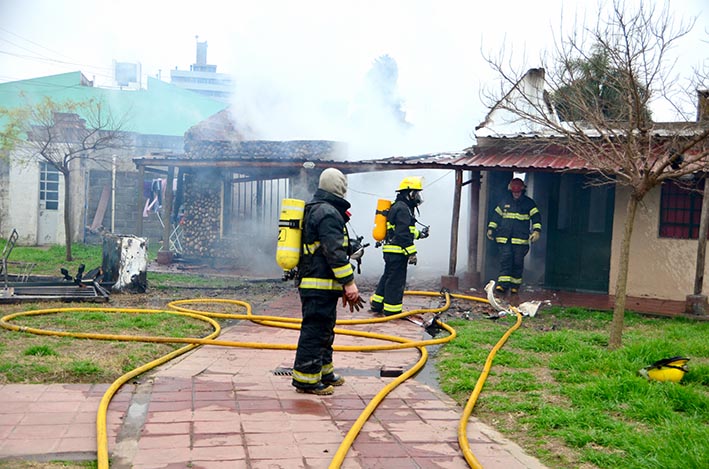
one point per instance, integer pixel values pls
(178, 308)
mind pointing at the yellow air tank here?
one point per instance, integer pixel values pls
(289, 233)
(380, 219)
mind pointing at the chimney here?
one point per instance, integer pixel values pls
(702, 105)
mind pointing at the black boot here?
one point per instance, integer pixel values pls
(333, 380)
(319, 389)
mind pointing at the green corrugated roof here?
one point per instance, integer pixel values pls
(161, 109)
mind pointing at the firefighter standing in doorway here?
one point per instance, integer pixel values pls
(509, 227)
(324, 276)
(399, 249)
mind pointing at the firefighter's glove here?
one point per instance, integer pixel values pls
(423, 233)
(351, 297)
(413, 259)
(354, 305)
(534, 237)
(489, 235)
(357, 304)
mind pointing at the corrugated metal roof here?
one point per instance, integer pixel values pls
(467, 160)
(532, 161)
(476, 159)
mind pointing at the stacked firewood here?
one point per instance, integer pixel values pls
(201, 223)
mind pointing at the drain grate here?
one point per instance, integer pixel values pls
(385, 371)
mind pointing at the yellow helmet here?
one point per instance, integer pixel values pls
(411, 182)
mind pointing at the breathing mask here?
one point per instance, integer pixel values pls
(416, 197)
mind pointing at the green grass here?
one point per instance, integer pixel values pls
(30, 358)
(20, 464)
(163, 281)
(49, 260)
(40, 351)
(557, 389)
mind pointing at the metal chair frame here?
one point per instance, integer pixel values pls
(25, 268)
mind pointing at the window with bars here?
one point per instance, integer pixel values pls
(680, 210)
(49, 186)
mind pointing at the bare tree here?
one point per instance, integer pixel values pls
(62, 134)
(597, 94)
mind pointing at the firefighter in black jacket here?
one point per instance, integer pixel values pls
(399, 249)
(324, 276)
(509, 227)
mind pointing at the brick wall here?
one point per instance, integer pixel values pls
(127, 209)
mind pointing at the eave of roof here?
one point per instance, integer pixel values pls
(542, 162)
(494, 160)
(428, 161)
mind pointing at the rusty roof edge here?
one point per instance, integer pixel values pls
(466, 160)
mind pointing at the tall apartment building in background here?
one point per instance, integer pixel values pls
(203, 78)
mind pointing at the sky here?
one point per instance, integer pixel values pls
(299, 66)
(295, 62)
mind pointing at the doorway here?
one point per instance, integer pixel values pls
(580, 225)
(48, 204)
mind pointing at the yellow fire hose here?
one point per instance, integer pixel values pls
(178, 308)
(468, 410)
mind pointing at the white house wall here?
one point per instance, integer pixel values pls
(23, 204)
(661, 268)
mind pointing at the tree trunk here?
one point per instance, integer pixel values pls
(67, 213)
(621, 285)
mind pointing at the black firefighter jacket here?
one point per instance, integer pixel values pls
(401, 229)
(324, 264)
(511, 219)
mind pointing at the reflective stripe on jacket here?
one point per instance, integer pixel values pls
(511, 220)
(401, 230)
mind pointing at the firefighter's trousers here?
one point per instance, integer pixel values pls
(389, 295)
(313, 358)
(511, 264)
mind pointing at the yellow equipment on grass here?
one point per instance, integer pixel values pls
(667, 369)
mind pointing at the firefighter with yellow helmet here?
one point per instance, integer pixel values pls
(398, 248)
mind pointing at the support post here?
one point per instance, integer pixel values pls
(697, 302)
(451, 281)
(472, 276)
(165, 255)
(140, 200)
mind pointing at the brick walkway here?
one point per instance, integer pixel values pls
(224, 407)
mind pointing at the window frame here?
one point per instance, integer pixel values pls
(680, 209)
(49, 177)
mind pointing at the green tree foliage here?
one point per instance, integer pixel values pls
(595, 86)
